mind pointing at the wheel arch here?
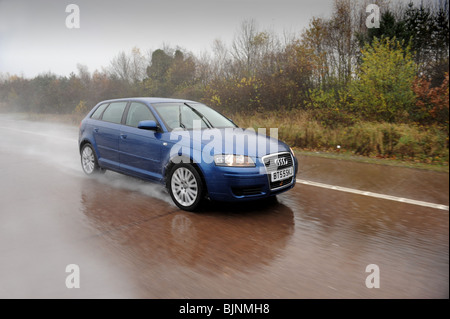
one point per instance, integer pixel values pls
(184, 159)
(84, 142)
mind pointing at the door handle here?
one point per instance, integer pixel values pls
(96, 130)
(123, 136)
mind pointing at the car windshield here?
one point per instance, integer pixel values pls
(182, 115)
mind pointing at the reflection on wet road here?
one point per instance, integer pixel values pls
(130, 241)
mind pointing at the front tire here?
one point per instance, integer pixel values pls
(185, 187)
(89, 161)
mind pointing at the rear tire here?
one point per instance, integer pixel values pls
(185, 187)
(89, 161)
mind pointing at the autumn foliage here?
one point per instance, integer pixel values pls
(432, 103)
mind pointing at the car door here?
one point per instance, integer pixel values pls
(140, 149)
(106, 133)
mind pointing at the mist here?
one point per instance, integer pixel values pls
(56, 145)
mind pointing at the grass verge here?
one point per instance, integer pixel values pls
(348, 156)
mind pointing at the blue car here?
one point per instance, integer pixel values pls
(187, 146)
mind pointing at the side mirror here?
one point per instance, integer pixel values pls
(148, 125)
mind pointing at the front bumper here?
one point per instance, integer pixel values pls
(241, 184)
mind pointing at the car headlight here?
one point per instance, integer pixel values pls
(231, 160)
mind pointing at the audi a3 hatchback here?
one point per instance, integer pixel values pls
(190, 148)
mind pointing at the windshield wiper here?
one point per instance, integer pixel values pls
(179, 118)
(204, 118)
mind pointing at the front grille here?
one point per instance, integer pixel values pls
(271, 162)
(245, 191)
(271, 165)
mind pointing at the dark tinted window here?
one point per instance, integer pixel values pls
(114, 112)
(98, 112)
(138, 112)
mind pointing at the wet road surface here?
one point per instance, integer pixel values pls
(130, 241)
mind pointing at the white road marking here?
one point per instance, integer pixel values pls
(375, 195)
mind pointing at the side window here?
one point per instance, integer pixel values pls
(138, 112)
(114, 112)
(98, 112)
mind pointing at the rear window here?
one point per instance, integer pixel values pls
(114, 112)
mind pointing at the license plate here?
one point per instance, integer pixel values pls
(282, 174)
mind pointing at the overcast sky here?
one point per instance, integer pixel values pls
(34, 37)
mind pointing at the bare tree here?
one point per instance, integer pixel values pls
(83, 74)
(250, 46)
(315, 39)
(138, 65)
(342, 42)
(131, 67)
(205, 68)
(120, 66)
(221, 61)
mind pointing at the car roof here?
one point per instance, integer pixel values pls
(151, 100)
